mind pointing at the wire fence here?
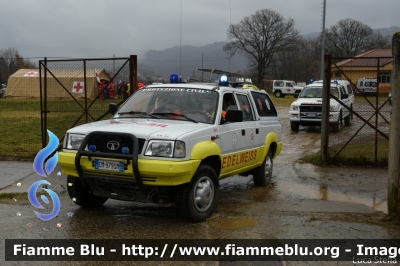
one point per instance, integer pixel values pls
(72, 92)
(366, 140)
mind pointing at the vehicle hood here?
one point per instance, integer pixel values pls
(300, 101)
(146, 129)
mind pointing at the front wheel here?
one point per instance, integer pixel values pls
(262, 175)
(81, 195)
(294, 126)
(338, 124)
(349, 117)
(197, 200)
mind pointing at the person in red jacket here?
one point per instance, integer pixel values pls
(111, 90)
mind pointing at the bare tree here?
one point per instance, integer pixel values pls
(300, 64)
(350, 37)
(10, 62)
(259, 37)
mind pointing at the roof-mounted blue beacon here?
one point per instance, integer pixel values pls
(223, 80)
(174, 78)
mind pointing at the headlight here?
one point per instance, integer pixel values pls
(166, 149)
(294, 108)
(73, 141)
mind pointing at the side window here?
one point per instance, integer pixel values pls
(335, 92)
(289, 85)
(278, 84)
(264, 105)
(342, 91)
(228, 101)
(349, 89)
(245, 106)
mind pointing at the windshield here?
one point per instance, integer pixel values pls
(316, 92)
(196, 105)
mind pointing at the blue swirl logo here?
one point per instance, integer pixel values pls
(45, 169)
(32, 198)
(44, 153)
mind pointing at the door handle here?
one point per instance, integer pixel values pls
(243, 132)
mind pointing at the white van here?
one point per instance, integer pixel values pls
(366, 86)
(280, 88)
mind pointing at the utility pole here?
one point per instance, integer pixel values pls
(394, 133)
(323, 40)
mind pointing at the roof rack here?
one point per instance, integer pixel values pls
(208, 75)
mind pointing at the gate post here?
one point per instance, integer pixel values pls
(133, 72)
(325, 109)
(394, 132)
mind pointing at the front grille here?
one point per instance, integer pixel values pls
(311, 108)
(101, 140)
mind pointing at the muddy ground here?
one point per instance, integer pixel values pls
(303, 202)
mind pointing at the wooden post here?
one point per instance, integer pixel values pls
(133, 73)
(325, 109)
(394, 133)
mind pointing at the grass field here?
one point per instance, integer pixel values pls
(20, 123)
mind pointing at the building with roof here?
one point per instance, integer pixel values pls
(375, 64)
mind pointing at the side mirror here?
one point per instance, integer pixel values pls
(234, 116)
(345, 96)
(112, 108)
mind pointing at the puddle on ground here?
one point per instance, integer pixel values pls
(231, 223)
(293, 190)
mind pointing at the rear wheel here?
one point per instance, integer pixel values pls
(262, 175)
(278, 94)
(82, 196)
(294, 126)
(198, 199)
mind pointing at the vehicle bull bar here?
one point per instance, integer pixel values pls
(134, 158)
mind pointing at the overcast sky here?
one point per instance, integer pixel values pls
(101, 29)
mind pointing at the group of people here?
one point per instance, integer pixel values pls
(106, 89)
(110, 90)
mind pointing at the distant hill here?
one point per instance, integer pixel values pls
(383, 31)
(186, 59)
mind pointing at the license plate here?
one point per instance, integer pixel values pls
(311, 114)
(109, 165)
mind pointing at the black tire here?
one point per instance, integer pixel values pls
(351, 109)
(82, 196)
(278, 94)
(262, 175)
(294, 126)
(197, 200)
(338, 124)
(348, 119)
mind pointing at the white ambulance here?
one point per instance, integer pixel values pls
(173, 143)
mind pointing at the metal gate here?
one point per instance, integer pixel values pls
(72, 92)
(366, 140)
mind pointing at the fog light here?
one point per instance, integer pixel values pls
(125, 150)
(92, 147)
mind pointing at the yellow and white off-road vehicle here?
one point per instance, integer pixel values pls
(177, 150)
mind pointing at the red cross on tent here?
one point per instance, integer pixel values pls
(30, 74)
(78, 87)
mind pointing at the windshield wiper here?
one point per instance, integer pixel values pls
(181, 115)
(134, 113)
